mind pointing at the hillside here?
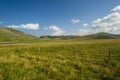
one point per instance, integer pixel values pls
(9, 35)
(61, 37)
(12, 35)
(101, 35)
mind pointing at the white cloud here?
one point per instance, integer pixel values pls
(26, 26)
(109, 23)
(117, 8)
(85, 24)
(74, 21)
(57, 31)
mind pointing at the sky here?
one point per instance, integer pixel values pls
(61, 17)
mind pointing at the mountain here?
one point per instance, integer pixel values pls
(101, 35)
(8, 35)
(116, 35)
(61, 37)
(12, 35)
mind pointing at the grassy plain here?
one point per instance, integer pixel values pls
(61, 60)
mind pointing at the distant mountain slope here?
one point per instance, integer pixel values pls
(118, 36)
(61, 37)
(101, 35)
(12, 35)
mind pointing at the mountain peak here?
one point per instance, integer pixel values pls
(101, 35)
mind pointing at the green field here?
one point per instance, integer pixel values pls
(61, 60)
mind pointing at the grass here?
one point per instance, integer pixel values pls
(61, 60)
(9, 35)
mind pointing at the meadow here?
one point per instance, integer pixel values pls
(61, 60)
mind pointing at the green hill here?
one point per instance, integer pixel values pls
(61, 37)
(12, 35)
(8, 35)
(101, 35)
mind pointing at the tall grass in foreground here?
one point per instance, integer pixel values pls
(71, 61)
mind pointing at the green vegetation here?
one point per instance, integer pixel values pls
(61, 60)
(102, 35)
(9, 35)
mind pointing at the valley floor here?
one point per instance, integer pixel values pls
(61, 60)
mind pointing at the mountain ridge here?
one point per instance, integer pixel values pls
(12, 35)
(9, 35)
(100, 35)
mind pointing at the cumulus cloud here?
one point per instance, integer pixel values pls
(57, 31)
(85, 24)
(26, 26)
(109, 23)
(117, 8)
(74, 21)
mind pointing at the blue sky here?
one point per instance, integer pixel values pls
(61, 17)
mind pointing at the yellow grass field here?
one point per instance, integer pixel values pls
(61, 60)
